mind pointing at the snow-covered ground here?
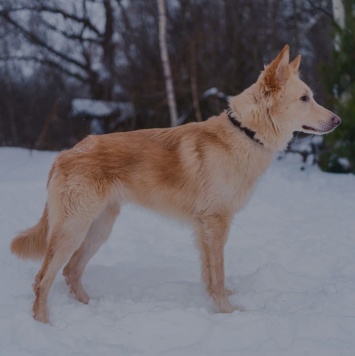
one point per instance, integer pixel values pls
(290, 256)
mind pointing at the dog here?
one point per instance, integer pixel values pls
(201, 173)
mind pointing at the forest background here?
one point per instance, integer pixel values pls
(69, 68)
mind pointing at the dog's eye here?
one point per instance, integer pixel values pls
(304, 98)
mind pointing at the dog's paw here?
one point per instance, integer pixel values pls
(238, 308)
(230, 291)
(231, 309)
(223, 306)
(41, 317)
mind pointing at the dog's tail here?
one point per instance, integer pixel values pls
(32, 242)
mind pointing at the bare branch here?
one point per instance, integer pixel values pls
(36, 40)
(71, 36)
(43, 8)
(325, 12)
(48, 62)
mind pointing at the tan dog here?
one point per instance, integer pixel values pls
(202, 173)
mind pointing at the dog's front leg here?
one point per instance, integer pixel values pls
(212, 234)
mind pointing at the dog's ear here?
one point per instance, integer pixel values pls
(277, 72)
(280, 63)
(295, 64)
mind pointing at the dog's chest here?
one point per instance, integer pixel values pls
(231, 188)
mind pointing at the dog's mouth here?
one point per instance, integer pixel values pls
(324, 129)
(309, 128)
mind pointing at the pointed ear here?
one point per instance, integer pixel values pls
(277, 72)
(280, 63)
(295, 64)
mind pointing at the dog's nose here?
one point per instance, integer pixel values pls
(336, 120)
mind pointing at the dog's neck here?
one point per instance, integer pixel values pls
(250, 133)
(253, 113)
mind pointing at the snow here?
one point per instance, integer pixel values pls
(344, 162)
(101, 109)
(290, 256)
(98, 108)
(303, 145)
(214, 92)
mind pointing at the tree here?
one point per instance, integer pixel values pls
(86, 50)
(109, 50)
(339, 153)
(166, 63)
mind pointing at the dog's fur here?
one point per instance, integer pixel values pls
(202, 173)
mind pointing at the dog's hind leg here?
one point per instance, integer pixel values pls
(63, 241)
(212, 234)
(98, 233)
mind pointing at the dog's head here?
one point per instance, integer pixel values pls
(290, 101)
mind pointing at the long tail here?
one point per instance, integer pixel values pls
(31, 243)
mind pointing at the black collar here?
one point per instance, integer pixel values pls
(248, 132)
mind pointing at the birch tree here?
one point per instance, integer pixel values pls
(339, 18)
(166, 64)
(339, 13)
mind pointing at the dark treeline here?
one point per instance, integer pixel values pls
(54, 51)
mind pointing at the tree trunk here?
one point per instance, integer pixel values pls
(339, 19)
(42, 140)
(194, 90)
(166, 64)
(339, 13)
